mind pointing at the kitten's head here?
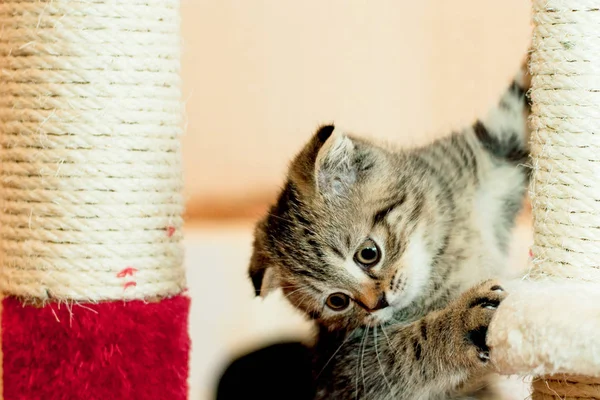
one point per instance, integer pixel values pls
(354, 233)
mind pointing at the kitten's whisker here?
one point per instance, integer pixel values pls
(302, 299)
(362, 343)
(292, 292)
(362, 359)
(380, 364)
(399, 322)
(292, 286)
(388, 340)
(335, 352)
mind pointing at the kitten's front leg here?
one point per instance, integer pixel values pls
(448, 347)
(458, 332)
(433, 358)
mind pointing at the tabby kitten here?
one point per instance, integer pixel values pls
(377, 244)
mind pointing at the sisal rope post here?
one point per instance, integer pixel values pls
(90, 213)
(565, 148)
(565, 145)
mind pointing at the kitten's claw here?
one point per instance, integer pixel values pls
(484, 356)
(477, 307)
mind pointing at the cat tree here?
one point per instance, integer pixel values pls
(90, 215)
(549, 325)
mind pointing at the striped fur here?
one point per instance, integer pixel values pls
(441, 216)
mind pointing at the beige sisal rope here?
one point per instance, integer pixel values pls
(90, 164)
(574, 387)
(565, 67)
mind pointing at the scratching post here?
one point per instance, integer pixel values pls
(90, 215)
(565, 145)
(549, 326)
(566, 152)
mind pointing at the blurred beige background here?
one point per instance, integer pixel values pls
(260, 76)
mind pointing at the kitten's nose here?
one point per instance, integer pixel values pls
(371, 300)
(381, 303)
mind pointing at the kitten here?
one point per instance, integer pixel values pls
(377, 244)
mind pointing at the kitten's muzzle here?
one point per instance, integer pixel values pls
(373, 304)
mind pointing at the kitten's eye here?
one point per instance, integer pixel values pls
(368, 254)
(338, 301)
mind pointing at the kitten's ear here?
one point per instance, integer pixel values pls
(261, 272)
(335, 168)
(326, 164)
(263, 276)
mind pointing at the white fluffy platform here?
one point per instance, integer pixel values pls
(545, 328)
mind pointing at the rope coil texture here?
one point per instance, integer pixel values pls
(90, 160)
(566, 388)
(565, 145)
(565, 68)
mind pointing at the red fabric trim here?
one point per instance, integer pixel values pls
(113, 350)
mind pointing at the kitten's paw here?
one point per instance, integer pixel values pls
(476, 307)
